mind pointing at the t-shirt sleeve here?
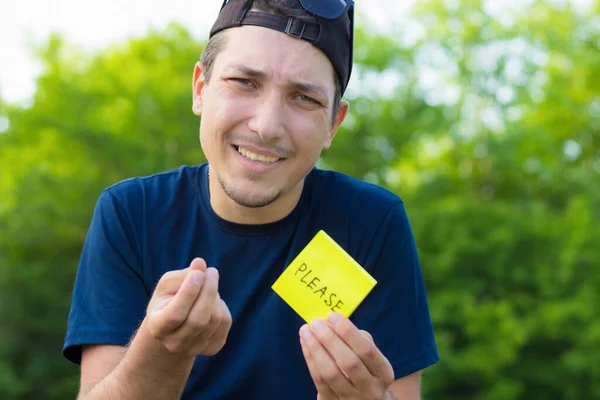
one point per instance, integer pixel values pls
(396, 312)
(109, 297)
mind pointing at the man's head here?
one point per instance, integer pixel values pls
(327, 24)
(270, 101)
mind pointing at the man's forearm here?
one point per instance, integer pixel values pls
(146, 372)
(389, 395)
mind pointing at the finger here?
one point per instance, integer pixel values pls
(216, 316)
(198, 264)
(351, 365)
(170, 282)
(330, 372)
(199, 316)
(367, 335)
(324, 390)
(362, 345)
(177, 310)
(219, 336)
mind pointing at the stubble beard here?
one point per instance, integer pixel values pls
(245, 201)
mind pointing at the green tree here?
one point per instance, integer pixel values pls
(497, 155)
(95, 119)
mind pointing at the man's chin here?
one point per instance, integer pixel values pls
(251, 197)
(253, 201)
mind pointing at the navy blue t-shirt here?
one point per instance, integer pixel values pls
(144, 227)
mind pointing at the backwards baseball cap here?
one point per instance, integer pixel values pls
(332, 31)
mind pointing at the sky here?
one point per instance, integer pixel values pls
(95, 24)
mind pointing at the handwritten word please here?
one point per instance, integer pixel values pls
(309, 278)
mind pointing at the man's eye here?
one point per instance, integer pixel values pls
(308, 99)
(242, 81)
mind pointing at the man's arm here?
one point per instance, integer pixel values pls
(185, 318)
(97, 361)
(405, 388)
(144, 370)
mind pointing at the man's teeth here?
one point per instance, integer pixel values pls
(256, 157)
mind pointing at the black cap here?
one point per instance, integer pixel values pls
(333, 36)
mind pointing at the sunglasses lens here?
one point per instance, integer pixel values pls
(330, 9)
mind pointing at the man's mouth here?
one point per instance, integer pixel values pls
(256, 157)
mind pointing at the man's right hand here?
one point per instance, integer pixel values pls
(186, 313)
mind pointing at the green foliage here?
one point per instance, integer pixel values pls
(95, 120)
(488, 126)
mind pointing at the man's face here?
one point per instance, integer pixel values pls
(266, 114)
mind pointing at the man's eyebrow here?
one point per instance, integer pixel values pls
(244, 70)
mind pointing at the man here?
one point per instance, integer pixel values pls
(173, 295)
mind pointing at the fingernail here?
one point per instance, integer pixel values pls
(213, 274)
(334, 318)
(319, 325)
(198, 263)
(197, 277)
(305, 332)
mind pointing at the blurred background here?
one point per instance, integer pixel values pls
(484, 116)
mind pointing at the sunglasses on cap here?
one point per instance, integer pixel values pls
(329, 9)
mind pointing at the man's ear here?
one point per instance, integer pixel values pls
(339, 118)
(198, 84)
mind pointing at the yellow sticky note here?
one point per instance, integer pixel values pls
(323, 278)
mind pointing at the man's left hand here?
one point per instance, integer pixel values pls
(343, 361)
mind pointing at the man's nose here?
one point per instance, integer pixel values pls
(268, 119)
